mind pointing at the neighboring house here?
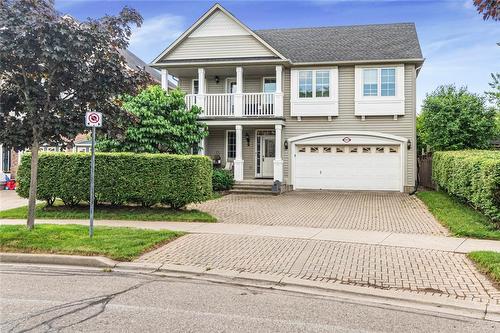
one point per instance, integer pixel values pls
(314, 108)
(11, 158)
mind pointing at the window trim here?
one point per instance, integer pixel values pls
(226, 145)
(314, 72)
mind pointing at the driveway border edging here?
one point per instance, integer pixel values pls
(361, 294)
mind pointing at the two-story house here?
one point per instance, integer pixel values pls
(314, 108)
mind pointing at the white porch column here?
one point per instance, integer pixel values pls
(278, 101)
(238, 97)
(200, 99)
(278, 161)
(238, 161)
(164, 79)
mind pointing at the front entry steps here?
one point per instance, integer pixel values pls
(253, 186)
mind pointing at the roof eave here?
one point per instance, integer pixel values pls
(160, 65)
(367, 61)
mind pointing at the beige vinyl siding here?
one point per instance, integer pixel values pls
(251, 84)
(219, 47)
(404, 126)
(218, 24)
(216, 145)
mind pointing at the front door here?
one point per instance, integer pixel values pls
(265, 154)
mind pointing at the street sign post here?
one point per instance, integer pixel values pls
(92, 119)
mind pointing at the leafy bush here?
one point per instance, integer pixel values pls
(455, 119)
(222, 180)
(162, 124)
(145, 179)
(472, 176)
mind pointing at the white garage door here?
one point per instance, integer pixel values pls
(343, 167)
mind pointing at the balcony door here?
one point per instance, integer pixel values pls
(231, 89)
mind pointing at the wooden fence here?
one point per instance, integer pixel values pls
(425, 171)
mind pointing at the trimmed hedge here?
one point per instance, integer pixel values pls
(145, 179)
(472, 176)
(222, 180)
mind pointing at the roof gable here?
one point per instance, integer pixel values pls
(217, 34)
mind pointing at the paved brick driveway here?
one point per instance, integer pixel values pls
(434, 272)
(376, 211)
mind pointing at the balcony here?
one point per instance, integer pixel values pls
(248, 105)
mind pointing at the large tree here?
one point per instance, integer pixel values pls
(489, 9)
(453, 119)
(162, 124)
(53, 69)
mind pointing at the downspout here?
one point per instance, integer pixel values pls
(417, 70)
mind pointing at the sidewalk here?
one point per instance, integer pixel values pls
(418, 241)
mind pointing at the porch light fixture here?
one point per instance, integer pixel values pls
(247, 137)
(286, 144)
(408, 144)
(217, 79)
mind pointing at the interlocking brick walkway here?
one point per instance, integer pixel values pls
(424, 271)
(376, 211)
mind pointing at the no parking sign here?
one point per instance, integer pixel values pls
(93, 119)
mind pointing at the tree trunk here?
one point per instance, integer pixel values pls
(33, 184)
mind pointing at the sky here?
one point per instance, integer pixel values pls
(459, 46)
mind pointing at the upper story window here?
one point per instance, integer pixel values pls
(305, 84)
(388, 82)
(379, 82)
(314, 83)
(370, 82)
(269, 85)
(322, 83)
(195, 87)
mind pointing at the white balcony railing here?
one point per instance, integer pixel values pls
(218, 105)
(190, 100)
(238, 105)
(258, 104)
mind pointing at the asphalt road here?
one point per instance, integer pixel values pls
(41, 299)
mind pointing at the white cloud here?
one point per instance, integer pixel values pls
(155, 34)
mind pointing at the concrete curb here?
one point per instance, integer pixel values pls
(57, 259)
(360, 294)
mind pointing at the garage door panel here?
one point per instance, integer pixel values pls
(348, 171)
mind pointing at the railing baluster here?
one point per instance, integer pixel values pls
(222, 105)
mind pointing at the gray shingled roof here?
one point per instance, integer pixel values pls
(345, 43)
(134, 61)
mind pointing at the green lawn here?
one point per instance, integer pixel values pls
(122, 244)
(106, 212)
(488, 262)
(461, 219)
